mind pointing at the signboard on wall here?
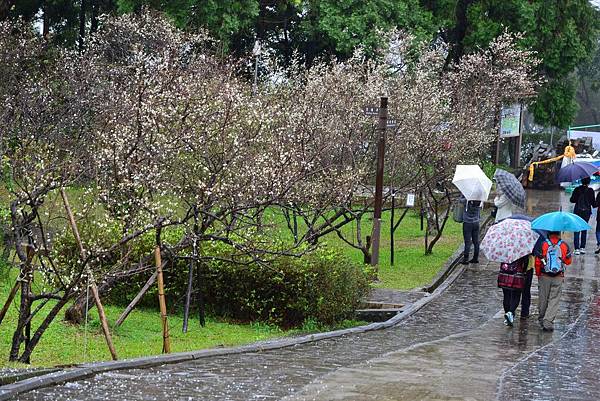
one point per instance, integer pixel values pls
(510, 121)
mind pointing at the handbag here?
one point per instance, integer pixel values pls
(458, 212)
(511, 275)
(514, 281)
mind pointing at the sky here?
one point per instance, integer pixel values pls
(595, 2)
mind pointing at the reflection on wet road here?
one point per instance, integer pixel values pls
(456, 348)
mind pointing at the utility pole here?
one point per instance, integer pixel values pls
(383, 116)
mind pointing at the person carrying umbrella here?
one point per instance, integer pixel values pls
(471, 221)
(510, 242)
(550, 265)
(583, 198)
(529, 271)
(475, 188)
(550, 270)
(597, 204)
(511, 278)
(510, 193)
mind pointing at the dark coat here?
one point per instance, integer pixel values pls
(586, 211)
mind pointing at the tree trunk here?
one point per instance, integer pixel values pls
(188, 294)
(81, 39)
(76, 312)
(18, 335)
(458, 33)
(24, 310)
(42, 328)
(45, 20)
(9, 300)
(366, 250)
(94, 18)
(436, 238)
(5, 6)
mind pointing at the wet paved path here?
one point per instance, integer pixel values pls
(456, 348)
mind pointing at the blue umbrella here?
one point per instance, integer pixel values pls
(576, 171)
(560, 221)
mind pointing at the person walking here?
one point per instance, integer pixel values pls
(584, 199)
(550, 269)
(597, 204)
(471, 220)
(504, 206)
(511, 278)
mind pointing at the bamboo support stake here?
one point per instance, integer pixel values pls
(15, 288)
(135, 300)
(11, 296)
(95, 294)
(161, 301)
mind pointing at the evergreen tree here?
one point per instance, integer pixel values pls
(563, 32)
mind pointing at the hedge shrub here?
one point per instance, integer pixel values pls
(324, 286)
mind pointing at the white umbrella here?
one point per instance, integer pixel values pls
(472, 182)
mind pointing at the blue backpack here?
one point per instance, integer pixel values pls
(553, 263)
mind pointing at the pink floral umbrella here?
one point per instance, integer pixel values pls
(509, 240)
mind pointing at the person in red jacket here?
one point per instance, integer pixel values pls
(549, 268)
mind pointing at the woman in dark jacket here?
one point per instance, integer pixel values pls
(583, 198)
(597, 204)
(471, 218)
(512, 280)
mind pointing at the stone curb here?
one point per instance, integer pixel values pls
(446, 270)
(18, 376)
(90, 369)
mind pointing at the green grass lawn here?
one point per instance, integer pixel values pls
(139, 335)
(412, 268)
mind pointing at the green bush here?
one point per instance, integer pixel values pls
(323, 286)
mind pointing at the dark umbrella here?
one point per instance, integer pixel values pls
(576, 171)
(510, 186)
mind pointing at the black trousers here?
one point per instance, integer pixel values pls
(471, 236)
(511, 299)
(526, 293)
